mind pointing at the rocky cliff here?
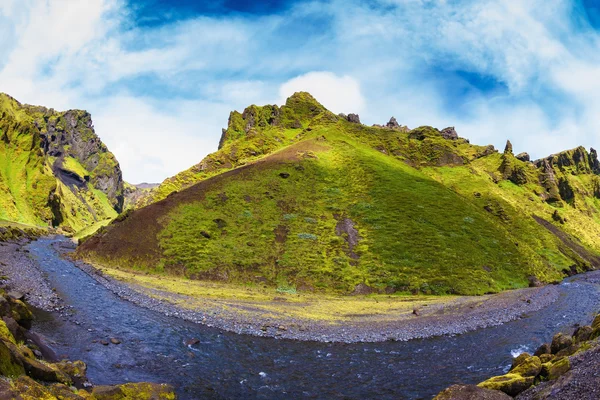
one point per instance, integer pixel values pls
(54, 169)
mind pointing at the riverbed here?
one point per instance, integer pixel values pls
(203, 362)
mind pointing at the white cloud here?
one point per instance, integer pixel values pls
(154, 141)
(340, 94)
(397, 60)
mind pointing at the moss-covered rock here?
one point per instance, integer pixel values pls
(582, 334)
(511, 384)
(21, 313)
(5, 333)
(471, 392)
(529, 367)
(555, 369)
(560, 341)
(10, 362)
(520, 359)
(148, 391)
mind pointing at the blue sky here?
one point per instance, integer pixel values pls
(160, 77)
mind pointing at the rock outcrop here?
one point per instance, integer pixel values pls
(565, 368)
(449, 133)
(67, 176)
(523, 157)
(354, 118)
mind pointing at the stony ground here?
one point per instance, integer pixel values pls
(460, 315)
(20, 274)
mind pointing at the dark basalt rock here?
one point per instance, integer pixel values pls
(523, 157)
(392, 124)
(449, 133)
(354, 118)
(509, 148)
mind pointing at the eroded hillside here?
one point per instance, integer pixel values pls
(54, 170)
(302, 199)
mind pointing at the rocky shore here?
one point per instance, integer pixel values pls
(29, 369)
(567, 368)
(456, 317)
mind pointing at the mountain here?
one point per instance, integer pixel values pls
(301, 199)
(54, 170)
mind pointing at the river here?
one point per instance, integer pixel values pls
(229, 366)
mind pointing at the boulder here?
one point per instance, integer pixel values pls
(523, 157)
(471, 392)
(568, 351)
(520, 359)
(529, 367)
(534, 281)
(21, 314)
(554, 370)
(108, 393)
(560, 341)
(5, 333)
(543, 349)
(363, 289)
(449, 133)
(511, 384)
(10, 362)
(354, 118)
(392, 124)
(147, 391)
(544, 358)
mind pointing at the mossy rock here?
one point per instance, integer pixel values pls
(64, 392)
(5, 333)
(511, 384)
(148, 391)
(74, 369)
(569, 351)
(10, 363)
(544, 358)
(582, 334)
(530, 367)
(27, 389)
(520, 359)
(596, 322)
(560, 341)
(554, 370)
(22, 314)
(543, 349)
(135, 391)
(470, 392)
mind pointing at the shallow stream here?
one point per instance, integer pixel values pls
(229, 366)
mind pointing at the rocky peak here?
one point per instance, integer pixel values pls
(509, 148)
(354, 118)
(523, 157)
(449, 133)
(392, 124)
(578, 160)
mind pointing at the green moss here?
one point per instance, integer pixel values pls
(71, 164)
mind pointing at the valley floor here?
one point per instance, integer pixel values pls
(262, 311)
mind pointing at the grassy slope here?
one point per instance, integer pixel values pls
(27, 181)
(434, 229)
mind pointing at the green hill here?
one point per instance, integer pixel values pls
(54, 170)
(301, 199)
